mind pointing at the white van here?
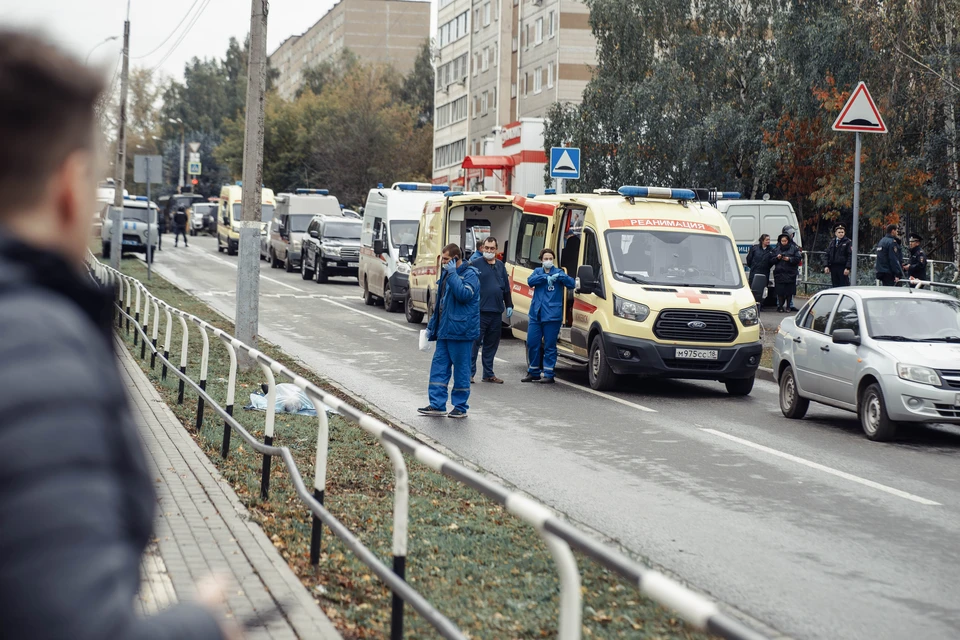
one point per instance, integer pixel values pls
(748, 219)
(391, 222)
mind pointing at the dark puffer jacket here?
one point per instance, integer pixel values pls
(786, 261)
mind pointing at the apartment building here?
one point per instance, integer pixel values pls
(521, 57)
(377, 31)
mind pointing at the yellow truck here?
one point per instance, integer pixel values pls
(661, 289)
(229, 216)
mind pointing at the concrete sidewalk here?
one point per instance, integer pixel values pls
(202, 529)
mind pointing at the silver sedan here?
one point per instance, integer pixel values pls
(891, 355)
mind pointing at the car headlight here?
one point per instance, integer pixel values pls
(296, 245)
(630, 310)
(333, 251)
(403, 267)
(748, 317)
(914, 373)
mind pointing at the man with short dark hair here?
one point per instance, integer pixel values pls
(839, 257)
(454, 325)
(494, 298)
(76, 495)
(889, 267)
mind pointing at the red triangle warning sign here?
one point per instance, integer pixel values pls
(860, 113)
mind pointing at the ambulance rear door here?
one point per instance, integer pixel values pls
(532, 231)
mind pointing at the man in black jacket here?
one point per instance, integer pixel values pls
(889, 267)
(180, 226)
(494, 298)
(917, 267)
(76, 496)
(839, 257)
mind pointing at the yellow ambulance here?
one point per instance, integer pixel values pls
(230, 213)
(465, 219)
(661, 289)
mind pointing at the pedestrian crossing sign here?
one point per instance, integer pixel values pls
(565, 162)
(194, 169)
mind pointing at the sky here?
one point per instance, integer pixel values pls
(80, 26)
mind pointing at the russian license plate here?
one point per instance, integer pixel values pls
(353, 264)
(697, 354)
(132, 243)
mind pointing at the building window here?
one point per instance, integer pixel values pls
(513, 90)
(526, 83)
(485, 59)
(453, 30)
(476, 64)
(538, 80)
(486, 14)
(476, 20)
(452, 112)
(449, 154)
(453, 71)
(549, 75)
(551, 28)
(513, 45)
(473, 102)
(484, 103)
(539, 30)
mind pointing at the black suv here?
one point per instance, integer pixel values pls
(331, 247)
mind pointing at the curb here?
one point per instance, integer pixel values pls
(765, 373)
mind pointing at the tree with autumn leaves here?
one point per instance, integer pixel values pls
(740, 95)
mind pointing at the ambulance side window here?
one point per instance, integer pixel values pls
(591, 256)
(378, 228)
(531, 239)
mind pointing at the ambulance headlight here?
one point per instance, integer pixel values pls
(748, 317)
(404, 268)
(630, 310)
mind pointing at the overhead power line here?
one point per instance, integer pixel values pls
(183, 36)
(175, 29)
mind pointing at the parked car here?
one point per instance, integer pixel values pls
(204, 218)
(284, 238)
(330, 248)
(890, 355)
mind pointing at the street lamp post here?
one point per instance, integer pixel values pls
(182, 144)
(105, 41)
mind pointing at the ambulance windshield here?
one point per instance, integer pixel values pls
(674, 258)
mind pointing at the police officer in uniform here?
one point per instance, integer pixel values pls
(889, 267)
(839, 256)
(917, 266)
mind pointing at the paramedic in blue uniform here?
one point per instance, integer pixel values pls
(454, 325)
(546, 313)
(494, 299)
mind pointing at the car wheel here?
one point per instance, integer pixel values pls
(230, 250)
(305, 273)
(274, 263)
(288, 264)
(792, 405)
(390, 303)
(740, 386)
(219, 246)
(599, 373)
(321, 274)
(874, 420)
(105, 252)
(368, 298)
(413, 316)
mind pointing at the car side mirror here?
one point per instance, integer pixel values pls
(586, 280)
(404, 251)
(845, 336)
(377, 247)
(314, 234)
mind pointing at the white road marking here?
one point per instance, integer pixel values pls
(823, 468)
(607, 396)
(267, 278)
(370, 315)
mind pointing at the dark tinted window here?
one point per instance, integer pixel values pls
(531, 239)
(846, 316)
(344, 230)
(298, 223)
(820, 312)
(591, 251)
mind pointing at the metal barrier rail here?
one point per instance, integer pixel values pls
(560, 536)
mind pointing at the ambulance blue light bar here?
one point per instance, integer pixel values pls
(451, 194)
(728, 195)
(413, 186)
(313, 192)
(549, 192)
(136, 198)
(657, 192)
(531, 195)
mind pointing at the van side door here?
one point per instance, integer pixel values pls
(535, 231)
(586, 306)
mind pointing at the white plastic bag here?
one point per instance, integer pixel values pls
(425, 344)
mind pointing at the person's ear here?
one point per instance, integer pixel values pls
(72, 191)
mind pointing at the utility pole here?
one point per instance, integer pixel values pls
(121, 168)
(248, 264)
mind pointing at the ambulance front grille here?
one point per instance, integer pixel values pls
(695, 326)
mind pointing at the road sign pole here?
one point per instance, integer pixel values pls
(149, 246)
(856, 213)
(560, 185)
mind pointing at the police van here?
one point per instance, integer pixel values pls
(391, 220)
(464, 219)
(660, 292)
(139, 224)
(230, 215)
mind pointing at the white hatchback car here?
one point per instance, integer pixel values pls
(891, 355)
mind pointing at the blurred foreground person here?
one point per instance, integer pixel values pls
(76, 496)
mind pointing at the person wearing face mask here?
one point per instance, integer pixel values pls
(454, 326)
(546, 313)
(494, 298)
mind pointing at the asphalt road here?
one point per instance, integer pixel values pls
(804, 525)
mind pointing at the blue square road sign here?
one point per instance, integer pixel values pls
(565, 162)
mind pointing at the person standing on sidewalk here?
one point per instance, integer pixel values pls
(180, 226)
(454, 326)
(546, 314)
(494, 298)
(917, 266)
(889, 258)
(839, 257)
(77, 500)
(786, 266)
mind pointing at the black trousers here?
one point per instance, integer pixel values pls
(886, 279)
(180, 230)
(490, 341)
(837, 277)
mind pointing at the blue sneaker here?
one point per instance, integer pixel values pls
(431, 411)
(457, 414)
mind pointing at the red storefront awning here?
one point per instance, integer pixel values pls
(488, 162)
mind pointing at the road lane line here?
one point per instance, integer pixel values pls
(606, 396)
(370, 315)
(267, 278)
(825, 469)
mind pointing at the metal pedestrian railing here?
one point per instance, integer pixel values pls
(812, 275)
(560, 537)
